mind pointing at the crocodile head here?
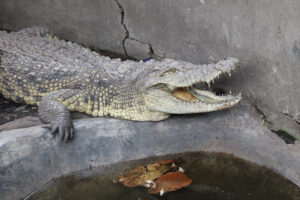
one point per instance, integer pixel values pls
(171, 88)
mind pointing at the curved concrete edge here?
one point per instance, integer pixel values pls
(30, 157)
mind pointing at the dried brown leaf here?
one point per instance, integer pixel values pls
(170, 182)
(150, 172)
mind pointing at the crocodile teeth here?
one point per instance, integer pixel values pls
(208, 83)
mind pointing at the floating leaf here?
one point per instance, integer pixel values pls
(142, 175)
(170, 182)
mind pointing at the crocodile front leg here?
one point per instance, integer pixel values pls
(53, 111)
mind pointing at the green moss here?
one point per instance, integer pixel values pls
(287, 137)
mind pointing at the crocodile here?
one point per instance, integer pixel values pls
(60, 76)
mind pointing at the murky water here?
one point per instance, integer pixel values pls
(216, 176)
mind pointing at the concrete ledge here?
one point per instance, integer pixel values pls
(30, 157)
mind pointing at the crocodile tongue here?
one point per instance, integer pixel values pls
(184, 94)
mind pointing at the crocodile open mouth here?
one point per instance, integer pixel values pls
(202, 90)
(192, 93)
(205, 94)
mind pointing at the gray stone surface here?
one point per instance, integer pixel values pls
(92, 23)
(23, 122)
(30, 157)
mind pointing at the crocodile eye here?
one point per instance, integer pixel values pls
(170, 71)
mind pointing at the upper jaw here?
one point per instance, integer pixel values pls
(204, 74)
(223, 67)
(200, 73)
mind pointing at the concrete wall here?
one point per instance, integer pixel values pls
(264, 35)
(89, 22)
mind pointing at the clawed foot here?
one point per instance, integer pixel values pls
(64, 133)
(56, 115)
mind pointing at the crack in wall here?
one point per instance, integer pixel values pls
(288, 137)
(127, 35)
(290, 117)
(150, 49)
(263, 116)
(156, 56)
(124, 25)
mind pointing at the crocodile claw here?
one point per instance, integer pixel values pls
(64, 133)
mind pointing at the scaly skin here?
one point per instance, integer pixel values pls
(61, 76)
